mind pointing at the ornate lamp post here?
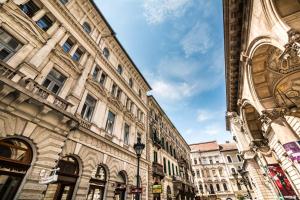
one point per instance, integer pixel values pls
(138, 147)
(243, 181)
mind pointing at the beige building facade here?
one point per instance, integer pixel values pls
(170, 167)
(72, 104)
(214, 165)
(262, 74)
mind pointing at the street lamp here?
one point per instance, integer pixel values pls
(138, 147)
(243, 181)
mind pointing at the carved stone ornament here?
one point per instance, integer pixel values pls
(260, 145)
(270, 115)
(290, 58)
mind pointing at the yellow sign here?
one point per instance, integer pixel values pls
(156, 189)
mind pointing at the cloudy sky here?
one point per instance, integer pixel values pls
(178, 46)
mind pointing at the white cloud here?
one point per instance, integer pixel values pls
(157, 11)
(208, 115)
(197, 40)
(171, 91)
(213, 129)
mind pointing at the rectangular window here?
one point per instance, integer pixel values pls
(126, 133)
(54, 81)
(173, 171)
(44, 23)
(198, 173)
(77, 55)
(176, 170)
(67, 46)
(165, 165)
(169, 167)
(155, 156)
(119, 92)
(96, 72)
(110, 122)
(113, 89)
(29, 8)
(88, 108)
(8, 45)
(102, 78)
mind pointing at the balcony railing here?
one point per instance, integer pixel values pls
(157, 169)
(9, 73)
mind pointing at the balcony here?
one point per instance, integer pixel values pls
(11, 76)
(156, 141)
(158, 170)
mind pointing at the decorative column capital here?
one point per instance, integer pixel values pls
(269, 116)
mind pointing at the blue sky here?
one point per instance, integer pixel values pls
(178, 46)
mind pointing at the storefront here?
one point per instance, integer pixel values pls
(97, 184)
(121, 185)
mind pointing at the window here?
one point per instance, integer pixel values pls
(176, 170)
(210, 161)
(229, 159)
(88, 108)
(233, 171)
(195, 161)
(214, 173)
(77, 55)
(198, 173)
(130, 82)
(155, 156)
(218, 187)
(64, 1)
(169, 167)
(221, 172)
(54, 81)
(8, 45)
(68, 45)
(173, 171)
(110, 122)
(163, 143)
(225, 186)
(44, 23)
(211, 188)
(86, 27)
(126, 133)
(96, 72)
(239, 158)
(114, 89)
(165, 165)
(102, 78)
(29, 8)
(120, 69)
(97, 186)
(106, 52)
(119, 92)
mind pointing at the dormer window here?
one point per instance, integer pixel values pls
(130, 82)
(106, 52)
(29, 8)
(86, 27)
(120, 69)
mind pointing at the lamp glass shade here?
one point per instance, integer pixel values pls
(139, 147)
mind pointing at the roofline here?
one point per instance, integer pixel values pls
(114, 36)
(153, 98)
(204, 142)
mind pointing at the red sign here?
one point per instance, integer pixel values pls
(136, 190)
(281, 181)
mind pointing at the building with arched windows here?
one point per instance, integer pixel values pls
(69, 116)
(262, 74)
(214, 166)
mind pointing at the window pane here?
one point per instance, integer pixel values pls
(44, 23)
(8, 45)
(4, 53)
(77, 55)
(110, 122)
(67, 45)
(29, 8)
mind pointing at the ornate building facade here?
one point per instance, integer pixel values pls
(72, 104)
(170, 172)
(262, 73)
(214, 166)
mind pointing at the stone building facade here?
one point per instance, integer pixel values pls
(214, 165)
(262, 73)
(72, 103)
(170, 164)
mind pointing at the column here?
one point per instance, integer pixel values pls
(43, 53)
(20, 56)
(39, 14)
(79, 86)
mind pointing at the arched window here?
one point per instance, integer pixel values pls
(64, 1)
(120, 69)
(229, 159)
(97, 184)
(130, 82)
(106, 52)
(169, 193)
(211, 188)
(86, 27)
(218, 187)
(67, 177)
(120, 191)
(15, 160)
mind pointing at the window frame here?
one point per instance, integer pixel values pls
(88, 105)
(7, 47)
(109, 127)
(54, 81)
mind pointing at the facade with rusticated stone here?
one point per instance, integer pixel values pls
(262, 42)
(72, 104)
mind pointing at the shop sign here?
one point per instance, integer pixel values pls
(48, 177)
(281, 181)
(293, 150)
(136, 190)
(157, 189)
